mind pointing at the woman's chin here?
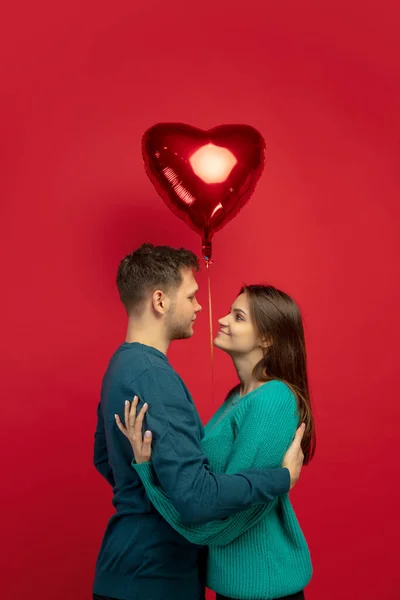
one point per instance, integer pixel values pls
(218, 343)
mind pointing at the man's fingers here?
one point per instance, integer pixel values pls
(300, 432)
(299, 436)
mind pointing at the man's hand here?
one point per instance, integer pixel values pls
(293, 459)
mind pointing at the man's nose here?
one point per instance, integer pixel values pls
(199, 307)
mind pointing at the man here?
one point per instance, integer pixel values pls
(141, 555)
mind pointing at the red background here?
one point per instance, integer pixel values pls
(80, 84)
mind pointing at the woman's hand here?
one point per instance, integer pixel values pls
(133, 431)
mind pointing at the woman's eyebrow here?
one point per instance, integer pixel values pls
(238, 310)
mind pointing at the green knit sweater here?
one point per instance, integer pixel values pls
(259, 553)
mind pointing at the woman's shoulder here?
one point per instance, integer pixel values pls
(276, 386)
(277, 391)
(271, 403)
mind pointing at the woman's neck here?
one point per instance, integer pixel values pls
(244, 366)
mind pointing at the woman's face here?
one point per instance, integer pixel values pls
(237, 334)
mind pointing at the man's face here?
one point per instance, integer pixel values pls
(184, 308)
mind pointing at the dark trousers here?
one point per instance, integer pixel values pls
(298, 596)
(97, 597)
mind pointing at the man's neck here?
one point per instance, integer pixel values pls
(144, 334)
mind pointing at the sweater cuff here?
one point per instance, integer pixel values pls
(145, 471)
(283, 482)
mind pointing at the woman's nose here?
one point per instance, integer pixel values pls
(222, 322)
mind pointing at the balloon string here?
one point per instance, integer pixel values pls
(211, 329)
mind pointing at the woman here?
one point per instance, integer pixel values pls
(260, 553)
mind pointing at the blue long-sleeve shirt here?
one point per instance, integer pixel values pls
(141, 553)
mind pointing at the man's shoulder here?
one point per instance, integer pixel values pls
(134, 364)
(160, 373)
(138, 358)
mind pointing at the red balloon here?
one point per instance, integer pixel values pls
(205, 177)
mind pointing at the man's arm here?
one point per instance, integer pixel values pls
(266, 432)
(100, 458)
(198, 494)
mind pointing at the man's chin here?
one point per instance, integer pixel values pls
(184, 335)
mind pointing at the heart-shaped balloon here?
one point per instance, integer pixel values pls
(205, 177)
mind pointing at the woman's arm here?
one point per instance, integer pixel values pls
(268, 427)
(197, 493)
(218, 533)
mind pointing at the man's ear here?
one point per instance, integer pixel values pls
(159, 302)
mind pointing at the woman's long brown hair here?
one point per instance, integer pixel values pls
(277, 319)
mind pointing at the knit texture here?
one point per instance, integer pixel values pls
(259, 553)
(141, 554)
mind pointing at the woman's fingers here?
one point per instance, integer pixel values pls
(120, 426)
(133, 430)
(146, 448)
(126, 413)
(139, 419)
(132, 412)
(133, 424)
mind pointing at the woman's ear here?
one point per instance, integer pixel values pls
(266, 343)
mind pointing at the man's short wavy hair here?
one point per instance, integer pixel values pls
(150, 268)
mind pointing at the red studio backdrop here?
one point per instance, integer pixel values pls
(81, 82)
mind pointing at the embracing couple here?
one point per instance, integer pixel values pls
(202, 506)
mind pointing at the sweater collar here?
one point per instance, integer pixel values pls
(145, 349)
